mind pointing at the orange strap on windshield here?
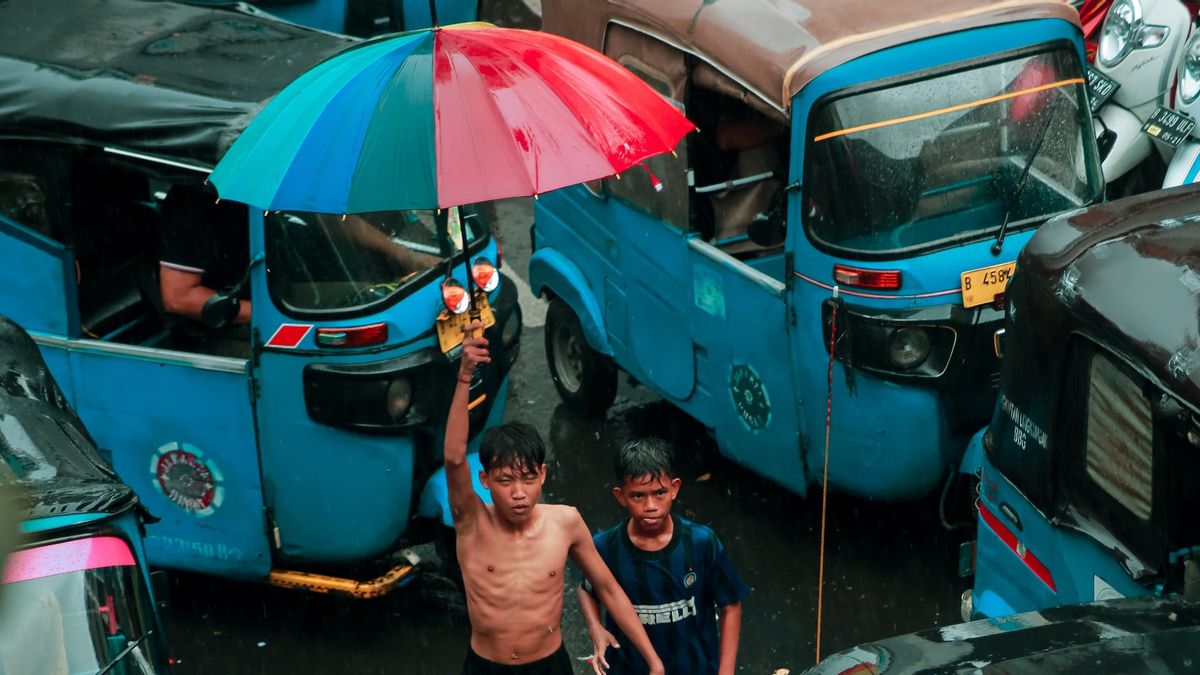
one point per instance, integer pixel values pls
(953, 108)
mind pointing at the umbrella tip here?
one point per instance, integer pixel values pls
(343, 217)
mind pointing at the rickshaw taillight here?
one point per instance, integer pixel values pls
(353, 336)
(857, 277)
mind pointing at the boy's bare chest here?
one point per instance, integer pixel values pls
(498, 558)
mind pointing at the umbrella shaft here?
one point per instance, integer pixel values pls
(433, 13)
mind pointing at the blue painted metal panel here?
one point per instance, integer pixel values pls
(37, 277)
(336, 495)
(190, 458)
(415, 13)
(550, 270)
(58, 522)
(1082, 569)
(327, 15)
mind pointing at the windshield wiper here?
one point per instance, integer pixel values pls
(1020, 187)
(124, 652)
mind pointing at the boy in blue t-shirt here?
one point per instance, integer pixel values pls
(675, 572)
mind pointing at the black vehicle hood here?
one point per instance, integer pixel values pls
(1129, 636)
(160, 78)
(45, 451)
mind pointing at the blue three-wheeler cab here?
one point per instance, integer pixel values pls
(898, 152)
(310, 437)
(364, 18)
(1091, 464)
(75, 595)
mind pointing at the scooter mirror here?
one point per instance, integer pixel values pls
(219, 310)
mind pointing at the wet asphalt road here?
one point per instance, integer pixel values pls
(889, 568)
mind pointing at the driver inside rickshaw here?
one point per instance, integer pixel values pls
(205, 250)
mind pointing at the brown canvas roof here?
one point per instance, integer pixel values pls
(775, 47)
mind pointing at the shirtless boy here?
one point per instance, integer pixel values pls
(513, 553)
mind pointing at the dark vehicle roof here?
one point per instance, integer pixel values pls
(775, 47)
(45, 451)
(1131, 636)
(159, 78)
(1128, 272)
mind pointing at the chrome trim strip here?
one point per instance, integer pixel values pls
(715, 254)
(201, 361)
(157, 160)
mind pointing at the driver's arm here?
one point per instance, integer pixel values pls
(183, 292)
(370, 236)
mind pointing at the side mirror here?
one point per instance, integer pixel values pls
(767, 230)
(219, 310)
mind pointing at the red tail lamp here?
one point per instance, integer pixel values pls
(353, 336)
(455, 296)
(857, 277)
(485, 275)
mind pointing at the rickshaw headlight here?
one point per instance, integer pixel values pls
(1189, 71)
(908, 347)
(1116, 36)
(455, 296)
(399, 398)
(485, 274)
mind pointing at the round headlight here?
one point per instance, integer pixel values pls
(1189, 71)
(399, 398)
(908, 347)
(1116, 36)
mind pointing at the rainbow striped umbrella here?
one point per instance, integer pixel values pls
(446, 116)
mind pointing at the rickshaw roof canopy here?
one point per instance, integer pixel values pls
(165, 79)
(45, 451)
(775, 47)
(1127, 273)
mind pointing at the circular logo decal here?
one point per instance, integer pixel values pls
(190, 480)
(749, 397)
(689, 580)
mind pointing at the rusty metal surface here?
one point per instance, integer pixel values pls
(778, 46)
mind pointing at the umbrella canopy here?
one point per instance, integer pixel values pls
(446, 116)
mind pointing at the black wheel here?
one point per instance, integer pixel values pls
(585, 379)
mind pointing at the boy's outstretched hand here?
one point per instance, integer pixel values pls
(474, 351)
(601, 641)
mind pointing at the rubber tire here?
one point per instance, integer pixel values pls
(591, 390)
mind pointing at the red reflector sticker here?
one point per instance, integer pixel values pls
(289, 335)
(1018, 547)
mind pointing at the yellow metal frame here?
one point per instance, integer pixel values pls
(319, 583)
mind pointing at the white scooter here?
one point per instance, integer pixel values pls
(1140, 44)
(1184, 168)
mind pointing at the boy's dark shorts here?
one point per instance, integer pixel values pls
(558, 663)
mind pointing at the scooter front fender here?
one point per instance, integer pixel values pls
(1131, 146)
(1184, 168)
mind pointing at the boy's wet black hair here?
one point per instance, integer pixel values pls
(643, 457)
(515, 445)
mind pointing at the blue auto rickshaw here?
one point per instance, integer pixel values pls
(1091, 463)
(315, 441)
(76, 594)
(884, 160)
(364, 18)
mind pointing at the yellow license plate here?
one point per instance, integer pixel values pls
(450, 326)
(981, 286)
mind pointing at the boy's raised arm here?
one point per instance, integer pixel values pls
(464, 503)
(608, 591)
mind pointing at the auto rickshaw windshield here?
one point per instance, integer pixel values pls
(75, 622)
(323, 262)
(942, 158)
